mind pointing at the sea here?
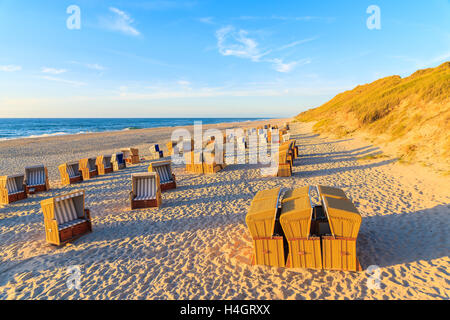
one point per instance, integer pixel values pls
(43, 127)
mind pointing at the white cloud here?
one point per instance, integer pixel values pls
(10, 68)
(231, 42)
(120, 21)
(73, 83)
(237, 43)
(207, 20)
(53, 70)
(282, 67)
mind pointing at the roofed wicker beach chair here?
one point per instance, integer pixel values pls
(263, 223)
(70, 173)
(284, 164)
(166, 176)
(104, 165)
(12, 188)
(36, 179)
(155, 152)
(88, 168)
(146, 190)
(66, 218)
(296, 219)
(131, 155)
(339, 249)
(118, 161)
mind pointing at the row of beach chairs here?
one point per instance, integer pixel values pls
(66, 218)
(16, 187)
(289, 231)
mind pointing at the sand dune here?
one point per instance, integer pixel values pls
(196, 246)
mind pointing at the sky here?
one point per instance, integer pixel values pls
(197, 58)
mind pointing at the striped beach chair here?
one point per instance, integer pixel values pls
(70, 173)
(66, 218)
(166, 176)
(88, 168)
(12, 188)
(104, 165)
(36, 179)
(146, 190)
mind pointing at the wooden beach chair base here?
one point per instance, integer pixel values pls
(168, 186)
(69, 234)
(36, 189)
(87, 175)
(75, 180)
(10, 198)
(305, 253)
(142, 204)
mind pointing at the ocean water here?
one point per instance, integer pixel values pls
(32, 128)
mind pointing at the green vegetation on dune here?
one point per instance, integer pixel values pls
(411, 112)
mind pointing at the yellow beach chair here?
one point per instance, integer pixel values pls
(339, 249)
(66, 218)
(104, 165)
(70, 173)
(88, 168)
(295, 219)
(12, 188)
(265, 229)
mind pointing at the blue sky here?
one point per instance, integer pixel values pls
(193, 58)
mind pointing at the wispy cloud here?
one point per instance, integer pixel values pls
(53, 70)
(206, 20)
(237, 43)
(70, 82)
(119, 21)
(232, 42)
(10, 68)
(283, 67)
(92, 66)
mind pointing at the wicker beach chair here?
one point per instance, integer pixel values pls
(295, 219)
(339, 249)
(131, 155)
(155, 152)
(263, 223)
(88, 168)
(36, 179)
(146, 190)
(12, 188)
(66, 218)
(70, 173)
(284, 164)
(118, 161)
(166, 176)
(104, 165)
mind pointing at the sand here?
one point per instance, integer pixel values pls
(197, 246)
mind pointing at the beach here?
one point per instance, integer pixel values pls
(197, 246)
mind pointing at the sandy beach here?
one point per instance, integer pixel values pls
(197, 246)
